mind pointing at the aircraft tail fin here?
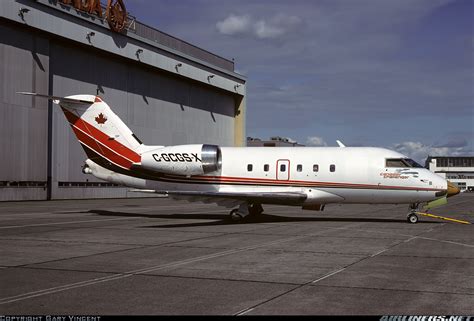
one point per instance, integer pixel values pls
(102, 134)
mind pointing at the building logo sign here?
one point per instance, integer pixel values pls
(115, 12)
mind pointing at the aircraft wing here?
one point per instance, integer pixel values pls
(231, 199)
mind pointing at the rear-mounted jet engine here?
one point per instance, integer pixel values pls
(183, 159)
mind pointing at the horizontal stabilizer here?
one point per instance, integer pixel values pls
(58, 99)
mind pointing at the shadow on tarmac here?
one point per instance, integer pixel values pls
(219, 219)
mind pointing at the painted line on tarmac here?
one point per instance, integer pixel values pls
(328, 275)
(86, 210)
(70, 222)
(105, 220)
(444, 241)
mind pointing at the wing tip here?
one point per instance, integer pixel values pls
(340, 143)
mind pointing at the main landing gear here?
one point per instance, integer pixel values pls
(411, 216)
(244, 210)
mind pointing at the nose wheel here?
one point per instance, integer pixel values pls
(412, 218)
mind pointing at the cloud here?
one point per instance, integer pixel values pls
(278, 26)
(460, 142)
(419, 151)
(273, 28)
(234, 25)
(315, 141)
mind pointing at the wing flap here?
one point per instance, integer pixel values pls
(283, 198)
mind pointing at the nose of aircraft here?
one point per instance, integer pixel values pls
(452, 189)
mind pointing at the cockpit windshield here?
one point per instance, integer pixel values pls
(412, 163)
(401, 162)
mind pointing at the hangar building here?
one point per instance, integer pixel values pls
(167, 91)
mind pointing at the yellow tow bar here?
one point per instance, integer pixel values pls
(443, 218)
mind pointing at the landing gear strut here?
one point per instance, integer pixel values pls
(412, 217)
(245, 209)
(255, 208)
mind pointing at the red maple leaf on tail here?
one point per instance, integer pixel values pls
(101, 119)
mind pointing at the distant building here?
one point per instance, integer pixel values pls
(273, 142)
(458, 170)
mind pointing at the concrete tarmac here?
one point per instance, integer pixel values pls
(160, 256)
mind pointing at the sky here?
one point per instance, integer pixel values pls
(389, 73)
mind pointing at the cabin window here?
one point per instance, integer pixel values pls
(299, 168)
(249, 167)
(282, 168)
(332, 168)
(266, 167)
(315, 168)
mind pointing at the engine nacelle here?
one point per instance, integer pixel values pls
(183, 159)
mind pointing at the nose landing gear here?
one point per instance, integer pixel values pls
(411, 216)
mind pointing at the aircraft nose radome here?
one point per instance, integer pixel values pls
(452, 189)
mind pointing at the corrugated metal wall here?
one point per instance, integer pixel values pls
(158, 107)
(24, 65)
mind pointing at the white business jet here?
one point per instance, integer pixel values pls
(247, 177)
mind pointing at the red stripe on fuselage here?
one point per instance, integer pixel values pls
(295, 183)
(101, 137)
